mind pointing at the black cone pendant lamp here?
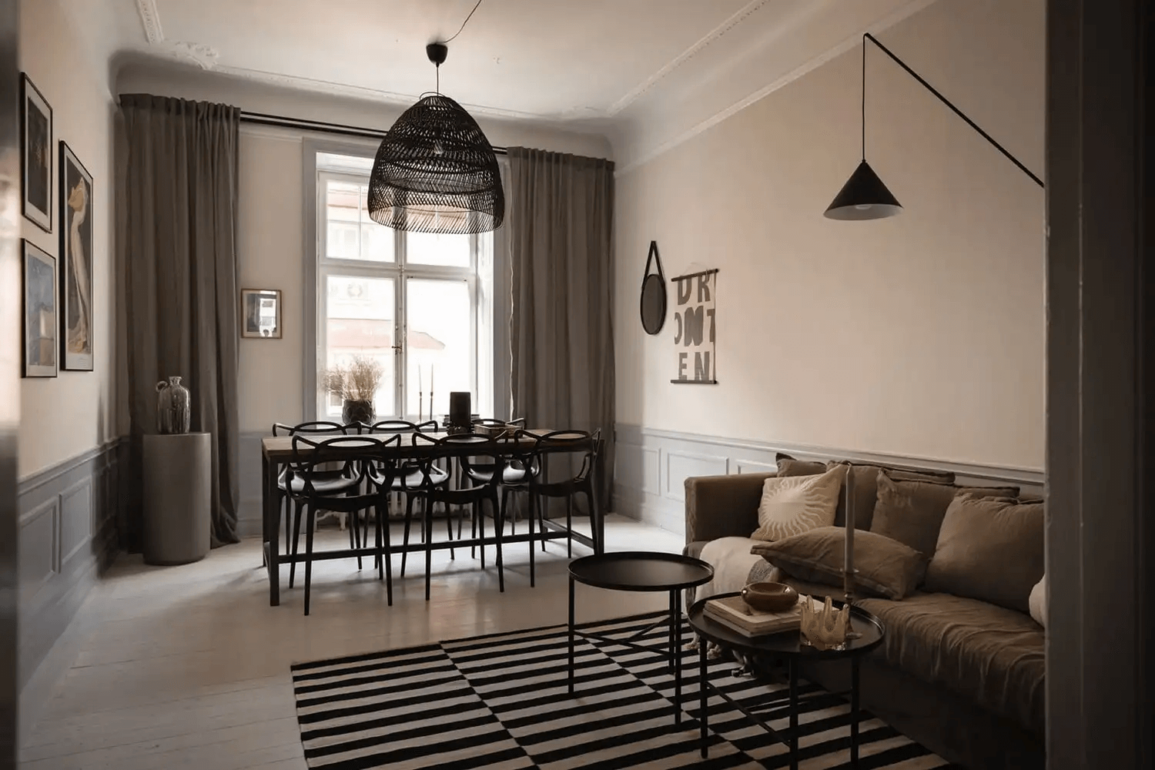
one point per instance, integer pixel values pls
(435, 172)
(864, 196)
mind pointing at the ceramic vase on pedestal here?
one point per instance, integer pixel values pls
(173, 407)
(357, 411)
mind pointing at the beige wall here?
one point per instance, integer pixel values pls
(920, 335)
(72, 413)
(270, 244)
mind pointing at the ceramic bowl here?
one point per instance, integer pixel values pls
(769, 597)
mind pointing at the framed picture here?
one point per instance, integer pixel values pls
(38, 316)
(36, 154)
(75, 262)
(261, 313)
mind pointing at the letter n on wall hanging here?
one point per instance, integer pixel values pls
(695, 296)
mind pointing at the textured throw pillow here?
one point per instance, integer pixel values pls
(1038, 601)
(796, 504)
(865, 485)
(886, 567)
(911, 512)
(989, 548)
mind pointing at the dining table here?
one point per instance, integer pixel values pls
(277, 451)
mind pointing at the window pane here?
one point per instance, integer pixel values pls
(350, 234)
(440, 342)
(434, 249)
(360, 322)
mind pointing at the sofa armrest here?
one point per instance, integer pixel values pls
(723, 506)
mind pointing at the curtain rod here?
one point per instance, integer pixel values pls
(317, 125)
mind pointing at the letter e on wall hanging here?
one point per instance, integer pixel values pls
(695, 296)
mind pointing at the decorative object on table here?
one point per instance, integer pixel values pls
(36, 153)
(261, 313)
(864, 196)
(825, 626)
(39, 313)
(355, 383)
(75, 262)
(769, 596)
(460, 410)
(733, 612)
(653, 301)
(435, 171)
(173, 407)
(694, 335)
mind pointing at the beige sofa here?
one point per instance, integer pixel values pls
(963, 677)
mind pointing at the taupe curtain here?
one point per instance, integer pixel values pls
(177, 192)
(559, 217)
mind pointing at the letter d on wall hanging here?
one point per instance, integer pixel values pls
(695, 302)
(653, 303)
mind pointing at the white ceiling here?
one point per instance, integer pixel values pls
(591, 65)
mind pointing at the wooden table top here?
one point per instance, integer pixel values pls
(281, 447)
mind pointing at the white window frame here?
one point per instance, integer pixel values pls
(318, 265)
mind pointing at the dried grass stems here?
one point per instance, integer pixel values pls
(355, 381)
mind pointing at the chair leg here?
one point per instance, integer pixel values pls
(569, 526)
(499, 525)
(479, 515)
(449, 527)
(472, 536)
(542, 504)
(408, 521)
(532, 503)
(388, 538)
(427, 527)
(297, 505)
(310, 526)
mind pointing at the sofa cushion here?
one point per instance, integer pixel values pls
(797, 503)
(1038, 601)
(911, 512)
(990, 655)
(989, 548)
(885, 567)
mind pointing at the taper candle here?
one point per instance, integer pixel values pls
(848, 562)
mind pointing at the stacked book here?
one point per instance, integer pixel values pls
(734, 613)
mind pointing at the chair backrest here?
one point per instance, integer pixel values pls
(313, 427)
(479, 446)
(355, 451)
(567, 441)
(403, 426)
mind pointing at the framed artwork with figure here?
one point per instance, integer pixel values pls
(36, 154)
(261, 313)
(75, 262)
(38, 314)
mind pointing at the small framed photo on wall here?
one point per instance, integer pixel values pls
(36, 154)
(38, 314)
(261, 313)
(75, 262)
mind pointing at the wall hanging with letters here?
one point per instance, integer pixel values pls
(695, 296)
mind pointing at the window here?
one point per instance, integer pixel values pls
(419, 303)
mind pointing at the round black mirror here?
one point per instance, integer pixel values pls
(653, 302)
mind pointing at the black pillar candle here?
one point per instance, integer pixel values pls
(460, 409)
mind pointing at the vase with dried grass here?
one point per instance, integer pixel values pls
(355, 382)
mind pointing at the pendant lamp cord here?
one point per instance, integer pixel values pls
(864, 97)
(467, 18)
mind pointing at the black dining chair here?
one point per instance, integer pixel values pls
(360, 453)
(409, 474)
(326, 482)
(473, 496)
(516, 469)
(541, 490)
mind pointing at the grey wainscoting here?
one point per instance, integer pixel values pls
(68, 516)
(653, 465)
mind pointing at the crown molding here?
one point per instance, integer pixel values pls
(150, 18)
(647, 155)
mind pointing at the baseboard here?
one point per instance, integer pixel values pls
(652, 466)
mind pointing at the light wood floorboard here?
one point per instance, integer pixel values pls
(188, 667)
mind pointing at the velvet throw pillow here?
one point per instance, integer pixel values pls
(989, 548)
(911, 512)
(886, 568)
(796, 504)
(1037, 601)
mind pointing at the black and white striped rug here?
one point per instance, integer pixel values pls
(501, 701)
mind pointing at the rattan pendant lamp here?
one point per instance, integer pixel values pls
(435, 172)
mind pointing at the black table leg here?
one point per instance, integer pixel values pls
(670, 634)
(571, 634)
(854, 711)
(793, 714)
(702, 688)
(676, 620)
(272, 522)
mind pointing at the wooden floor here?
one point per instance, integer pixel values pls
(188, 667)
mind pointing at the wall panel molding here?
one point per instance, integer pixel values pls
(681, 455)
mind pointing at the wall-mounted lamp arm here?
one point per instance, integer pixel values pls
(867, 36)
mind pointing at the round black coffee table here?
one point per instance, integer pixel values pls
(789, 647)
(641, 571)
